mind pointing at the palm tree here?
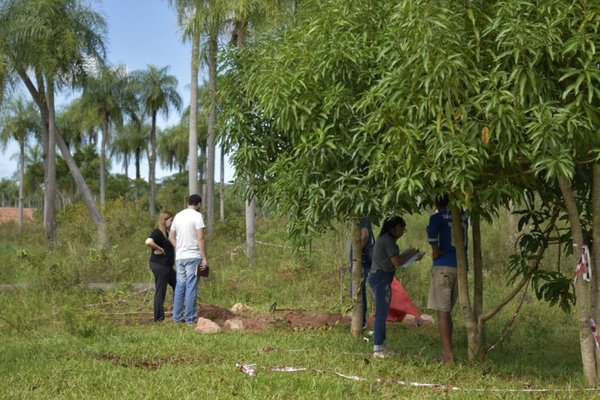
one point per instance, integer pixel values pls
(159, 93)
(190, 18)
(173, 147)
(49, 43)
(19, 121)
(102, 96)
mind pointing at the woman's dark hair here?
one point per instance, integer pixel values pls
(391, 223)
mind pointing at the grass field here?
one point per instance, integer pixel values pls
(61, 341)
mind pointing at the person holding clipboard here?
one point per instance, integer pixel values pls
(386, 258)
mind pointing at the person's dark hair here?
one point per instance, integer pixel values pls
(194, 200)
(391, 223)
(442, 201)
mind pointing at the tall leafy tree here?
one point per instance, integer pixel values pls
(19, 121)
(485, 100)
(159, 94)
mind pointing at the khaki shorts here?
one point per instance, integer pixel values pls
(443, 289)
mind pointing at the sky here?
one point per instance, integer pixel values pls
(140, 33)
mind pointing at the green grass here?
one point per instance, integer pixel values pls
(60, 341)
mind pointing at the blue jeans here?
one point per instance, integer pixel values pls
(186, 291)
(381, 284)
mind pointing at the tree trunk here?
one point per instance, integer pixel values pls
(193, 133)
(212, 126)
(83, 188)
(222, 187)
(103, 145)
(477, 345)
(240, 41)
(586, 340)
(596, 250)
(50, 189)
(138, 160)
(474, 336)
(477, 267)
(152, 167)
(40, 100)
(203, 170)
(21, 183)
(250, 229)
(357, 277)
(596, 239)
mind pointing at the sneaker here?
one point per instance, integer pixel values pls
(385, 353)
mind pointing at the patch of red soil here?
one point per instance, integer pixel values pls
(286, 319)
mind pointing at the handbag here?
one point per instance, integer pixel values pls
(203, 272)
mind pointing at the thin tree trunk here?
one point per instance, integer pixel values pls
(477, 267)
(222, 187)
(596, 249)
(596, 239)
(152, 167)
(84, 189)
(203, 158)
(240, 35)
(138, 160)
(357, 277)
(50, 189)
(21, 184)
(212, 126)
(250, 230)
(474, 337)
(193, 133)
(586, 340)
(103, 145)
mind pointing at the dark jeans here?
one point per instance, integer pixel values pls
(381, 283)
(363, 288)
(163, 276)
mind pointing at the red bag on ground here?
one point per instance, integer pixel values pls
(401, 304)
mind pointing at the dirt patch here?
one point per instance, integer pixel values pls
(285, 319)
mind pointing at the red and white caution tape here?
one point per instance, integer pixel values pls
(584, 265)
(250, 369)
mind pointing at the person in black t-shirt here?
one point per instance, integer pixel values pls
(161, 261)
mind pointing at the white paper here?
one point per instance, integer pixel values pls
(412, 260)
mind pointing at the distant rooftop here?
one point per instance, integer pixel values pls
(8, 214)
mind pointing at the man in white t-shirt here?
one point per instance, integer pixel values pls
(187, 236)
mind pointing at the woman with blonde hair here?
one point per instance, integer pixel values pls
(162, 258)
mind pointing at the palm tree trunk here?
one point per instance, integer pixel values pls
(21, 183)
(240, 34)
(222, 187)
(103, 145)
(152, 167)
(138, 159)
(212, 126)
(84, 190)
(193, 133)
(50, 189)
(203, 158)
